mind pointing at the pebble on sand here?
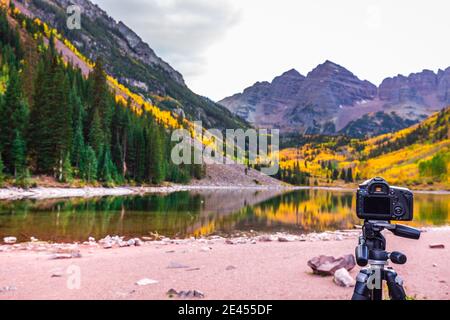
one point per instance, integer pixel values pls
(190, 294)
(437, 246)
(172, 292)
(229, 241)
(10, 240)
(177, 265)
(57, 274)
(8, 289)
(146, 282)
(62, 256)
(343, 279)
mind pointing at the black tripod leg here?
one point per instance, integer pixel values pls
(395, 285)
(362, 291)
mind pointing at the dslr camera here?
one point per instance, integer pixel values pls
(377, 200)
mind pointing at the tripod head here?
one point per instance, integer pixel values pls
(372, 244)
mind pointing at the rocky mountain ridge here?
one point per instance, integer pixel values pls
(129, 42)
(330, 99)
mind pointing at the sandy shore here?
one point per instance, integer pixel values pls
(258, 270)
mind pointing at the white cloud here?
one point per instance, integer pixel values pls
(223, 46)
(180, 31)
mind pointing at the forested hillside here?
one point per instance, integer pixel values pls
(57, 122)
(130, 60)
(417, 156)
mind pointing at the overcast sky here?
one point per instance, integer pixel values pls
(223, 46)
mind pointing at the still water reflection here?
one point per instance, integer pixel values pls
(186, 214)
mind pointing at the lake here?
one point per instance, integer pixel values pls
(200, 213)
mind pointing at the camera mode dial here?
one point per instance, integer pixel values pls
(398, 211)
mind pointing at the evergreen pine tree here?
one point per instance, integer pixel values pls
(119, 143)
(141, 147)
(13, 119)
(50, 132)
(34, 134)
(78, 145)
(156, 167)
(19, 155)
(40, 136)
(10, 36)
(106, 168)
(61, 119)
(130, 153)
(2, 175)
(96, 138)
(100, 110)
(67, 171)
(89, 165)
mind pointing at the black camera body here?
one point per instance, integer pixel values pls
(377, 200)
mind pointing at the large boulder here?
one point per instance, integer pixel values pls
(327, 265)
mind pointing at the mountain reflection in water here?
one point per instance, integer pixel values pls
(185, 214)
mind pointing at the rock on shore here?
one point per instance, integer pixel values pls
(206, 243)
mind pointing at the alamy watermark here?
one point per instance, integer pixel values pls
(374, 281)
(249, 147)
(74, 279)
(73, 21)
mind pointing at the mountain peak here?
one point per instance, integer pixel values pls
(330, 97)
(292, 73)
(330, 63)
(328, 68)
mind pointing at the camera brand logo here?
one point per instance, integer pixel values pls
(73, 21)
(250, 147)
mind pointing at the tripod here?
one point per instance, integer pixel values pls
(372, 251)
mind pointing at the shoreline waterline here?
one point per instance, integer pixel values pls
(42, 193)
(234, 239)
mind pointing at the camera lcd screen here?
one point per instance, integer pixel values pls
(374, 205)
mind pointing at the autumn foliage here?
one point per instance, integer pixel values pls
(416, 156)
